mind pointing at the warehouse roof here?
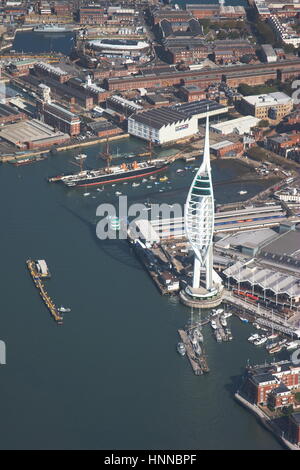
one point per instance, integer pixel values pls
(6, 110)
(286, 244)
(198, 107)
(274, 281)
(271, 99)
(160, 117)
(240, 125)
(28, 131)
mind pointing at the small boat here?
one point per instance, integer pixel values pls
(244, 319)
(100, 189)
(242, 192)
(118, 193)
(229, 334)
(219, 311)
(227, 314)
(253, 338)
(64, 309)
(149, 187)
(86, 194)
(223, 321)
(260, 341)
(135, 185)
(256, 326)
(275, 349)
(179, 170)
(213, 324)
(81, 156)
(218, 336)
(163, 178)
(144, 180)
(113, 185)
(197, 348)
(292, 345)
(181, 349)
(273, 336)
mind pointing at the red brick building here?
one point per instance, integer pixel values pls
(92, 15)
(263, 381)
(60, 118)
(192, 93)
(280, 397)
(294, 428)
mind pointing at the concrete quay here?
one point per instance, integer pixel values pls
(190, 302)
(260, 314)
(266, 422)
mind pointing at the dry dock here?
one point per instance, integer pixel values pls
(44, 294)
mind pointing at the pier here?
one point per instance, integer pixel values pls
(36, 276)
(198, 364)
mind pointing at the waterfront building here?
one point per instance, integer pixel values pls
(272, 384)
(294, 422)
(162, 125)
(199, 228)
(32, 134)
(60, 117)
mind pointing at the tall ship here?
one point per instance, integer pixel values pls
(111, 173)
(50, 28)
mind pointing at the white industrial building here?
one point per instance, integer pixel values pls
(268, 53)
(162, 125)
(239, 126)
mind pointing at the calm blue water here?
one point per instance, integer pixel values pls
(110, 377)
(27, 41)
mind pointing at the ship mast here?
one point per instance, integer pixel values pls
(106, 155)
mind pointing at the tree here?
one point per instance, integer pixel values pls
(263, 123)
(233, 35)
(221, 35)
(265, 33)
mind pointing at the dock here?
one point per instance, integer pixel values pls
(37, 279)
(198, 364)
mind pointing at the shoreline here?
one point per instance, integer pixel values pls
(21, 156)
(265, 421)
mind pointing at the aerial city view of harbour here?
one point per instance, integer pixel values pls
(150, 214)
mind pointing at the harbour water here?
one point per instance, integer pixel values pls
(28, 41)
(110, 377)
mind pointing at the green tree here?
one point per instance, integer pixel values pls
(263, 123)
(221, 35)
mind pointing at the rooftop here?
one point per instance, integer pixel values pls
(28, 131)
(159, 117)
(271, 99)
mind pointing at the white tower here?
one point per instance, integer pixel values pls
(199, 220)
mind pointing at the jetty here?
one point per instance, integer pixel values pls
(37, 279)
(198, 364)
